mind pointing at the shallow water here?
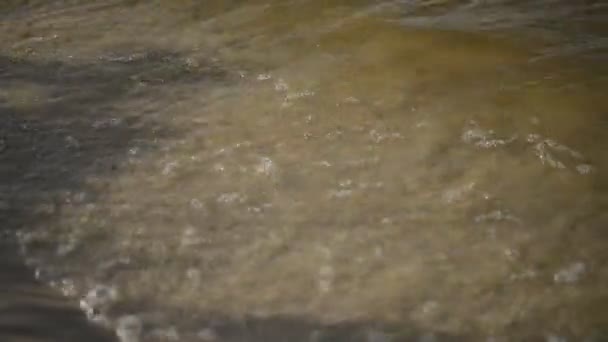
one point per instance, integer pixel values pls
(312, 170)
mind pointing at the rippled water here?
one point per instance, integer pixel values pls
(312, 170)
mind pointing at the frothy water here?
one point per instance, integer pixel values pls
(312, 171)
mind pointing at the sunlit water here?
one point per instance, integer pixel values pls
(312, 170)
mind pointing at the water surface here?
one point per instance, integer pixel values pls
(312, 170)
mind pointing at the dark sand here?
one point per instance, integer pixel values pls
(31, 311)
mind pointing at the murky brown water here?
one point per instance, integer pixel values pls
(312, 170)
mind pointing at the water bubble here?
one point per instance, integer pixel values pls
(67, 247)
(545, 148)
(170, 334)
(563, 148)
(101, 320)
(457, 194)
(428, 337)
(326, 275)
(46, 208)
(66, 286)
(195, 203)
(429, 307)
(342, 193)
(422, 123)
(351, 99)
(293, 96)
(255, 210)
(107, 267)
(281, 85)
(378, 136)
(29, 261)
(527, 274)
(98, 300)
(511, 254)
(323, 163)
(245, 143)
(28, 237)
(72, 142)
(570, 274)
(532, 138)
(133, 151)
(546, 157)
(377, 336)
(426, 310)
(189, 237)
(222, 151)
(474, 135)
(231, 197)
(45, 274)
(497, 215)
(584, 169)
(316, 336)
(218, 167)
(207, 335)
(266, 166)
(263, 77)
(555, 338)
(104, 123)
(129, 328)
(169, 168)
(345, 183)
(80, 197)
(362, 162)
(193, 274)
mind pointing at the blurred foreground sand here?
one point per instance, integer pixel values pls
(30, 311)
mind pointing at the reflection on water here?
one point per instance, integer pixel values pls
(312, 171)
